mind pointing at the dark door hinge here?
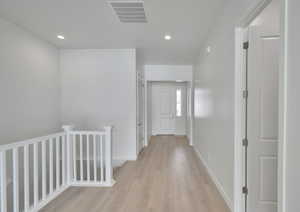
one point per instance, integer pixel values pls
(245, 94)
(245, 142)
(245, 190)
(246, 45)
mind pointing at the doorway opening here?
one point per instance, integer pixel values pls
(259, 79)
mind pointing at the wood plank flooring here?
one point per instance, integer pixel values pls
(167, 177)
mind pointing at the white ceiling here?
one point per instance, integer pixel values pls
(93, 24)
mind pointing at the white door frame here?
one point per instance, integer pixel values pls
(191, 124)
(239, 66)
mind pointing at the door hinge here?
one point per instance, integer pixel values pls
(245, 94)
(245, 142)
(245, 45)
(245, 190)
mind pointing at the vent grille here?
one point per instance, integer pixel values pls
(129, 12)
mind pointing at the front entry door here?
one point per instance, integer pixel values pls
(262, 121)
(163, 109)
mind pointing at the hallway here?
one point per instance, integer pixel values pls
(167, 177)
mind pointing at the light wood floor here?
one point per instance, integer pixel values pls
(167, 177)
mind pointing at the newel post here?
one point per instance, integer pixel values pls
(68, 129)
(108, 156)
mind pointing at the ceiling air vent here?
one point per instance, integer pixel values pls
(129, 11)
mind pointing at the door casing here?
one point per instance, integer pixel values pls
(240, 38)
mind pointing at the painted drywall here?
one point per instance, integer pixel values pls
(292, 171)
(168, 72)
(269, 19)
(29, 85)
(98, 89)
(214, 97)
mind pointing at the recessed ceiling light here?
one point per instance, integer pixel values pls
(208, 49)
(60, 37)
(168, 37)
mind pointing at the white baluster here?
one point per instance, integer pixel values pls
(44, 171)
(88, 157)
(26, 178)
(16, 180)
(51, 165)
(74, 159)
(95, 158)
(3, 182)
(101, 159)
(57, 163)
(63, 159)
(35, 174)
(81, 156)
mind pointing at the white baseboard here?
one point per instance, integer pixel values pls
(118, 161)
(215, 181)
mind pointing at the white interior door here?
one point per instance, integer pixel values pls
(163, 109)
(262, 121)
(169, 108)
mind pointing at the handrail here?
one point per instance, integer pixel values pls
(4, 147)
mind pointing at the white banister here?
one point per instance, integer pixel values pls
(60, 163)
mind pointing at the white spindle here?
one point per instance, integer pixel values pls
(101, 159)
(26, 178)
(81, 156)
(95, 158)
(35, 174)
(88, 156)
(57, 163)
(63, 159)
(51, 166)
(3, 182)
(16, 180)
(108, 161)
(44, 171)
(74, 159)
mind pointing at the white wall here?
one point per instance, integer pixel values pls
(269, 19)
(214, 96)
(99, 88)
(29, 85)
(168, 72)
(293, 105)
